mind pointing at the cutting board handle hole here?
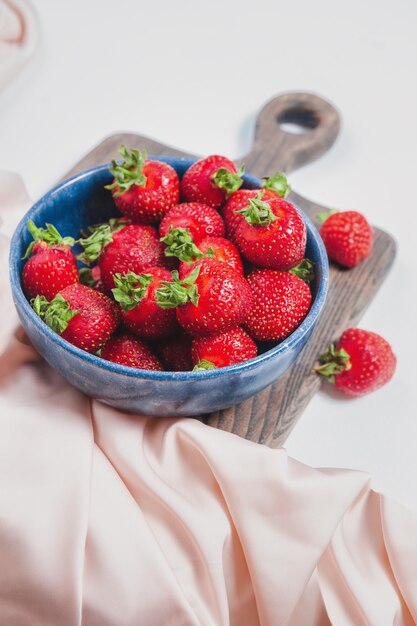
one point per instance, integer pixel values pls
(298, 120)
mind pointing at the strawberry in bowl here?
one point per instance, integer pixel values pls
(200, 279)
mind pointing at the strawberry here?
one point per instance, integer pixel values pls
(175, 353)
(211, 180)
(223, 250)
(347, 236)
(200, 220)
(223, 349)
(278, 184)
(121, 248)
(268, 230)
(91, 277)
(142, 189)
(52, 265)
(137, 296)
(361, 362)
(281, 300)
(211, 297)
(125, 349)
(84, 317)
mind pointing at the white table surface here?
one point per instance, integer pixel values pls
(194, 75)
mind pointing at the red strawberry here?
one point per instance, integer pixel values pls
(175, 353)
(268, 230)
(278, 184)
(84, 317)
(125, 349)
(223, 349)
(143, 190)
(281, 300)
(131, 248)
(211, 297)
(361, 362)
(223, 250)
(137, 296)
(200, 220)
(91, 277)
(211, 180)
(347, 236)
(52, 265)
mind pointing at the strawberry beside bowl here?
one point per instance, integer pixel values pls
(81, 201)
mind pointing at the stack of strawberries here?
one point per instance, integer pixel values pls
(196, 273)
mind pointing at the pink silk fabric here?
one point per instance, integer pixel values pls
(111, 519)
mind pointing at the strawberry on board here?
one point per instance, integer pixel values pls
(120, 248)
(175, 353)
(137, 296)
(347, 236)
(268, 230)
(199, 219)
(281, 300)
(211, 180)
(143, 189)
(223, 349)
(83, 316)
(52, 265)
(210, 296)
(361, 362)
(126, 349)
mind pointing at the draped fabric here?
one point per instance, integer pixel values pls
(111, 519)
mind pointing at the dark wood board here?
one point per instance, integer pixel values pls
(269, 416)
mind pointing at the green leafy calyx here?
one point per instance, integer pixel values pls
(203, 366)
(129, 172)
(333, 362)
(322, 217)
(49, 235)
(304, 270)
(178, 292)
(130, 289)
(229, 181)
(56, 314)
(278, 182)
(258, 213)
(101, 235)
(179, 243)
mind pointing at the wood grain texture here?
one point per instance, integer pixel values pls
(269, 416)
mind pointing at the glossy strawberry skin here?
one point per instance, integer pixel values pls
(197, 184)
(348, 237)
(373, 362)
(148, 204)
(280, 303)
(279, 245)
(48, 270)
(224, 250)
(96, 320)
(147, 319)
(133, 249)
(126, 349)
(175, 353)
(200, 219)
(225, 298)
(223, 349)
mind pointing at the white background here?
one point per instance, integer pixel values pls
(194, 75)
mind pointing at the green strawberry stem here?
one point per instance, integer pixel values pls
(101, 235)
(129, 172)
(203, 366)
(130, 289)
(322, 217)
(56, 314)
(229, 181)
(278, 182)
(178, 292)
(49, 235)
(333, 362)
(179, 243)
(303, 270)
(258, 213)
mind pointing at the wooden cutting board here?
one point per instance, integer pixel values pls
(269, 417)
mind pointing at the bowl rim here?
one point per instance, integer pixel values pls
(286, 344)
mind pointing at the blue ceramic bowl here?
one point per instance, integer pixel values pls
(71, 207)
